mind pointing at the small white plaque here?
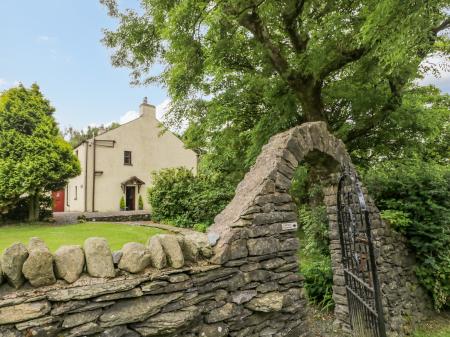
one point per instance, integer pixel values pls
(289, 226)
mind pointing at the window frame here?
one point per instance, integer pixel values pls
(125, 157)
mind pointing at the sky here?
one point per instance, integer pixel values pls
(56, 43)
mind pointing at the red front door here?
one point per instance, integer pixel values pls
(58, 201)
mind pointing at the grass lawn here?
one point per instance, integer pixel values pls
(56, 236)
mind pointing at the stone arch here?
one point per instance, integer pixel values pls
(252, 228)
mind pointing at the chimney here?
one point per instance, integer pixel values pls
(147, 110)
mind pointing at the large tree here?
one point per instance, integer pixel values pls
(240, 71)
(34, 158)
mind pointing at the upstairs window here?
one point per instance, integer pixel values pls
(127, 157)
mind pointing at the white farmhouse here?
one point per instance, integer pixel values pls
(118, 164)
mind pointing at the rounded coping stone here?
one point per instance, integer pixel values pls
(135, 257)
(69, 262)
(172, 249)
(157, 254)
(38, 267)
(98, 256)
(12, 262)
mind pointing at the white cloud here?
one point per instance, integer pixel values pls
(162, 109)
(128, 116)
(44, 38)
(442, 78)
(3, 82)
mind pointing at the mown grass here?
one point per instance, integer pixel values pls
(58, 235)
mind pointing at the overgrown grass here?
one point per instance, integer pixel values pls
(438, 326)
(58, 235)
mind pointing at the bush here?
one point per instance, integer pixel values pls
(179, 197)
(318, 282)
(122, 203)
(140, 203)
(414, 198)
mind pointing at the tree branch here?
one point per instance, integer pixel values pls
(341, 60)
(394, 101)
(290, 20)
(254, 24)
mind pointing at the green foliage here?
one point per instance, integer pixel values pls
(398, 220)
(241, 71)
(414, 197)
(76, 137)
(314, 255)
(34, 158)
(314, 224)
(122, 204)
(201, 227)
(184, 199)
(318, 282)
(140, 203)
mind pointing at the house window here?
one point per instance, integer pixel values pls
(76, 193)
(127, 157)
(76, 153)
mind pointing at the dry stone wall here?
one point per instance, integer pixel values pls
(239, 279)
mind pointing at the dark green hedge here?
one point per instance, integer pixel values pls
(179, 197)
(414, 197)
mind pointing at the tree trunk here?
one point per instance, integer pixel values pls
(310, 97)
(33, 207)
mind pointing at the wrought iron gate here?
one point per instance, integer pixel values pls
(361, 279)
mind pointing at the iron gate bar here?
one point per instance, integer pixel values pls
(358, 258)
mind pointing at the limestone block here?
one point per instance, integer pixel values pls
(69, 262)
(135, 292)
(222, 313)
(36, 322)
(214, 330)
(119, 331)
(157, 255)
(195, 245)
(91, 290)
(135, 257)
(99, 260)
(136, 310)
(269, 302)
(263, 246)
(84, 330)
(172, 249)
(243, 296)
(80, 318)
(167, 323)
(290, 244)
(12, 262)
(23, 312)
(238, 249)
